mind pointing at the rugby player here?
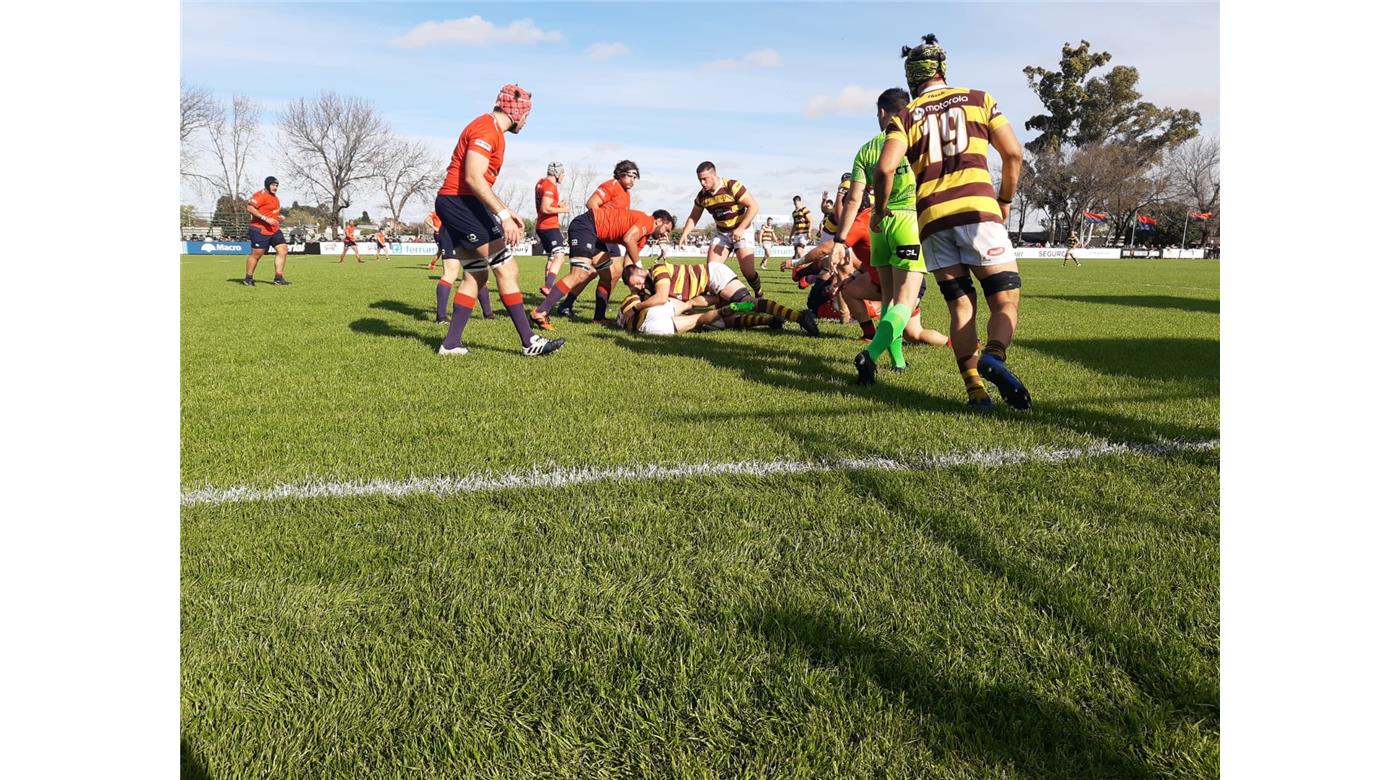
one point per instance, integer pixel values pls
(801, 230)
(264, 231)
(962, 217)
(766, 236)
(590, 233)
(859, 286)
(480, 228)
(734, 209)
(548, 207)
(663, 321)
(380, 244)
(350, 243)
(436, 224)
(678, 287)
(1069, 250)
(615, 193)
(894, 256)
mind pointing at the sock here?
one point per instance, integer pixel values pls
(996, 349)
(756, 284)
(897, 351)
(560, 289)
(891, 327)
(462, 306)
(777, 309)
(867, 330)
(549, 279)
(600, 301)
(973, 382)
(518, 316)
(568, 302)
(485, 302)
(752, 320)
(277, 276)
(444, 292)
(247, 277)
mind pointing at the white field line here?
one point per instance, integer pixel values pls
(568, 477)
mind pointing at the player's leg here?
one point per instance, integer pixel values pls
(483, 298)
(607, 280)
(473, 262)
(743, 249)
(252, 265)
(724, 283)
(581, 269)
(855, 293)
(358, 257)
(507, 273)
(279, 263)
(987, 251)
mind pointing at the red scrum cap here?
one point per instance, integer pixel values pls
(514, 102)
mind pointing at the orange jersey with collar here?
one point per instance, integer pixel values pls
(380, 237)
(349, 232)
(612, 224)
(614, 195)
(265, 203)
(484, 137)
(543, 187)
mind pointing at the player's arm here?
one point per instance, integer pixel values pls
(890, 155)
(261, 217)
(690, 221)
(1004, 141)
(595, 201)
(750, 204)
(630, 240)
(661, 295)
(850, 207)
(548, 206)
(511, 224)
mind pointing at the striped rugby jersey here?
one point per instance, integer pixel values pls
(948, 130)
(802, 220)
(687, 279)
(723, 204)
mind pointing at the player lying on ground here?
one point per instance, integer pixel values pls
(589, 235)
(682, 286)
(615, 193)
(664, 320)
(481, 227)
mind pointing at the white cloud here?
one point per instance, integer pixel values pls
(763, 58)
(851, 100)
(606, 51)
(475, 31)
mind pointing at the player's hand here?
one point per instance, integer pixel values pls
(514, 230)
(838, 255)
(563, 206)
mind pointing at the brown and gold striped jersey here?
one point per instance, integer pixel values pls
(723, 204)
(766, 235)
(802, 220)
(948, 130)
(687, 279)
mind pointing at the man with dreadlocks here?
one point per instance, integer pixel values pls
(480, 227)
(548, 207)
(944, 134)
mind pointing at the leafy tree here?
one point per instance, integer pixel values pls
(1083, 109)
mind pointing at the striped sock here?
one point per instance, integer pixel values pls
(996, 349)
(973, 382)
(561, 289)
(776, 309)
(516, 308)
(444, 292)
(462, 306)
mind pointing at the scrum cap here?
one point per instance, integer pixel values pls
(514, 102)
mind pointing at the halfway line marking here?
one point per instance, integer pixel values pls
(568, 477)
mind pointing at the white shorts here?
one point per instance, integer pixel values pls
(728, 240)
(767, 247)
(720, 277)
(660, 320)
(800, 239)
(825, 236)
(979, 244)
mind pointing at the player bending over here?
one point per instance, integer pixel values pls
(589, 236)
(615, 193)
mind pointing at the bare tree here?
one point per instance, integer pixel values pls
(579, 181)
(408, 170)
(332, 143)
(229, 134)
(1194, 168)
(197, 107)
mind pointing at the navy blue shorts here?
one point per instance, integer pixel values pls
(466, 221)
(615, 250)
(444, 243)
(551, 239)
(265, 242)
(583, 237)
(379, 244)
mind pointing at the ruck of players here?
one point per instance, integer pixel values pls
(918, 211)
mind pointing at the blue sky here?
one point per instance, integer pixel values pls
(779, 95)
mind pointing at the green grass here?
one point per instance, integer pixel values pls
(1041, 620)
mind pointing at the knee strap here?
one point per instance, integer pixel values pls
(954, 289)
(1001, 282)
(499, 257)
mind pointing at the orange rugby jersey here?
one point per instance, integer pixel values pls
(614, 195)
(543, 187)
(266, 203)
(613, 224)
(484, 137)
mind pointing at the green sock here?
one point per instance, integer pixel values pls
(897, 348)
(891, 325)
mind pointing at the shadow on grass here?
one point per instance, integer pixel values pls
(1190, 359)
(1143, 301)
(1004, 725)
(369, 326)
(764, 362)
(191, 768)
(408, 310)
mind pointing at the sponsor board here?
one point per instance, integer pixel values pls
(1058, 253)
(215, 247)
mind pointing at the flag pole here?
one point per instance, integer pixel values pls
(1184, 223)
(1132, 242)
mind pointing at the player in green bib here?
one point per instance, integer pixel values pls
(894, 243)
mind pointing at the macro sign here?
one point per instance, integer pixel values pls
(217, 247)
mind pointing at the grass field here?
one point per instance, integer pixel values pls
(1053, 615)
